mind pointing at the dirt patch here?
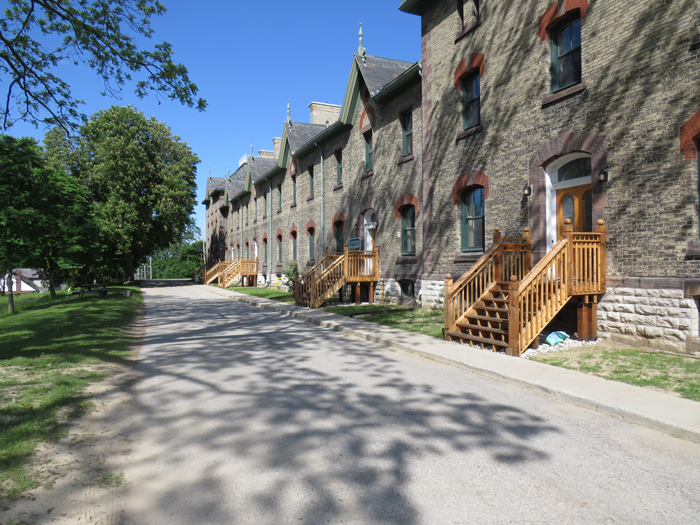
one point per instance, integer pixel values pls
(81, 476)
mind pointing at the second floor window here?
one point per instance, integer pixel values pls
(311, 181)
(407, 132)
(369, 166)
(265, 250)
(339, 166)
(471, 100)
(279, 247)
(311, 244)
(566, 54)
(294, 190)
(279, 193)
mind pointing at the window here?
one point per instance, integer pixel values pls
(279, 247)
(339, 166)
(408, 230)
(247, 251)
(407, 132)
(369, 166)
(311, 243)
(265, 251)
(471, 100)
(339, 236)
(264, 206)
(255, 216)
(407, 289)
(311, 181)
(279, 193)
(566, 54)
(294, 190)
(473, 219)
(294, 246)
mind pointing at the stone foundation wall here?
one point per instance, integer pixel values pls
(432, 294)
(661, 319)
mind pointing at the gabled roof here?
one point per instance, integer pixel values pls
(214, 184)
(414, 7)
(377, 72)
(299, 133)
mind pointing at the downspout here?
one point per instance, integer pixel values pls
(323, 215)
(269, 239)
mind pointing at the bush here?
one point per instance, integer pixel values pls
(290, 276)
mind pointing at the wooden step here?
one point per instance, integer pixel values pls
(483, 340)
(495, 299)
(482, 328)
(488, 318)
(491, 309)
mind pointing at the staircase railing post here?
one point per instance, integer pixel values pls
(498, 256)
(449, 305)
(568, 234)
(345, 266)
(513, 317)
(602, 228)
(527, 253)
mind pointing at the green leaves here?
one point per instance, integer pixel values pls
(100, 33)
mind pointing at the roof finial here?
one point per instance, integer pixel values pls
(210, 172)
(289, 118)
(361, 50)
(251, 150)
(229, 171)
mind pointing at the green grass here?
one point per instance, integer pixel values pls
(276, 294)
(50, 351)
(422, 321)
(661, 371)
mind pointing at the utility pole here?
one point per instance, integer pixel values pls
(150, 263)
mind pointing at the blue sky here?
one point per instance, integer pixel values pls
(248, 58)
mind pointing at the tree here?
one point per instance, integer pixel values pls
(65, 233)
(20, 159)
(142, 180)
(37, 35)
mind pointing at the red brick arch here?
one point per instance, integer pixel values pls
(369, 110)
(558, 10)
(338, 217)
(247, 242)
(311, 225)
(470, 178)
(404, 200)
(279, 234)
(264, 239)
(293, 231)
(473, 62)
(690, 133)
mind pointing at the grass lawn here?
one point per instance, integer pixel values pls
(276, 294)
(50, 351)
(660, 371)
(428, 322)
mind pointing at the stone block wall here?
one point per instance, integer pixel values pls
(662, 319)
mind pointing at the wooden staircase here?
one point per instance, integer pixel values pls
(230, 274)
(334, 271)
(212, 272)
(488, 309)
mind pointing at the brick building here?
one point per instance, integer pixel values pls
(522, 114)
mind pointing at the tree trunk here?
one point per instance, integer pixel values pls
(52, 286)
(129, 268)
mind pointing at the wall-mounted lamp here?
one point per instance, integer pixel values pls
(527, 190)
(603, 175)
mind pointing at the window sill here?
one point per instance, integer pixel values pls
(255, 221)
(469, 132)
(367, 175)
(338, 186)
(309, 198)
(404, 160)
(467, 256)
(471, 26)
(279, 210)
(293, 205)
(406, 259)
(264, 217)
(311, 262)
(564, 93)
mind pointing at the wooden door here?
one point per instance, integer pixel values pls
(575, 204)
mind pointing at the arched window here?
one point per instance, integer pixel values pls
(472, 211)
(264, 250)
(279, 247)
(310, 232)
(408, 230)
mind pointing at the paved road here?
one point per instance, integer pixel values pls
(249, 417)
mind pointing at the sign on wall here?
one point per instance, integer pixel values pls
(354, 243)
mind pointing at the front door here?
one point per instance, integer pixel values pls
(575, 204)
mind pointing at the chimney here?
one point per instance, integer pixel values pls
(266, 154)
(277, 144)
(242, 160)
(324, 114)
